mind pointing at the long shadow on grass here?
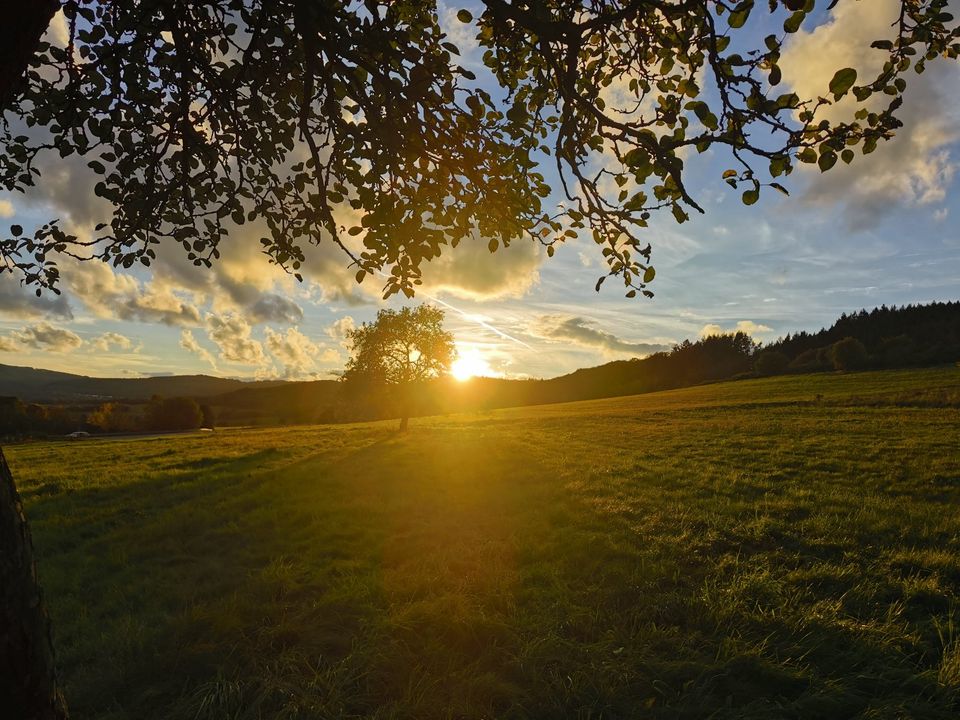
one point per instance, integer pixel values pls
(449, 573)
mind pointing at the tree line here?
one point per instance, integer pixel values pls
(885, 337)
(159, 414)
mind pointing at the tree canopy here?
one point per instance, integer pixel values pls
(354, 123)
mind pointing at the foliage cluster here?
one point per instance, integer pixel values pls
(354, 123)
(19, 419)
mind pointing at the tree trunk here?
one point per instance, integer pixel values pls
(28, 679)
(404, 422)
(24, 23)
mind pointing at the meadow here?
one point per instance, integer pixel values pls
(778, 548)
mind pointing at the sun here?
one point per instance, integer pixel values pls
(470, 363)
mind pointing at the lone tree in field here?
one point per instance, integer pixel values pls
(398, 352)
(352, 123)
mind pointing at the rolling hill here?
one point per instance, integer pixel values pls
(35, 385)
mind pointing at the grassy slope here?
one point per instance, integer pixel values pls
(734, 551)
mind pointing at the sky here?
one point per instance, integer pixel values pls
(880, 231)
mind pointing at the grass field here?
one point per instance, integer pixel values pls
(783, 548)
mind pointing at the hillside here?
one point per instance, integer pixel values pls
(778, 548)
(35, 385)
(892, 337)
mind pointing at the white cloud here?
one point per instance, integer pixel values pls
(109, 340)
(189, 343)
(916, 167)
(463, 35)
(340, 330)
(57, 31)
(232, 335)
(42, 336)
(108, 294)
(472, 272)
(745, 326)
(582, 331)
(298, 354)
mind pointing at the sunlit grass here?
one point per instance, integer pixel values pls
(778, 548)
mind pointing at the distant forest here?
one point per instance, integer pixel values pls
(886, 337)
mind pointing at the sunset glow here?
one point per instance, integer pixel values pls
(470, 363)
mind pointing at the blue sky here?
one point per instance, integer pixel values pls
(881, 231)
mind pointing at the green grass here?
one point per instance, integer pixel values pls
(781, 548)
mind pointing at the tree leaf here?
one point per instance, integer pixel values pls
(827, 160)
(842, 81)
(775, 75)
(793, 23)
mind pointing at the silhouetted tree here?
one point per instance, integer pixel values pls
(196, 116)
(178, 413)
(848, 354)
(114, 417)
(208, 417)
(398, 352)
(771, 362)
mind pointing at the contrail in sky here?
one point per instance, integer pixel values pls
(478, 321)
(471, 318)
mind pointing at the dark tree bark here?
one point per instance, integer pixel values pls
(404, 422)
(28, 679)
(24, 22)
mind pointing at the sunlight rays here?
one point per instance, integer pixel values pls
(470, 363)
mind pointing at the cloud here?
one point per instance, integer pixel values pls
(232, 335)
(109, 340)
(20, 301)
(298, 353)
(745, 326)
(472, 272)
(916, 167)
(109, 294)
(43, 336)
(189, 343)
(340, 329)
(159, 306)
(277, 309)
(463, 35)
(580, 331)
(57, 31)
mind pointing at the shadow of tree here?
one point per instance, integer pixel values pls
(452, 573)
